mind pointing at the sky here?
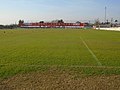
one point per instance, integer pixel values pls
(11, 11)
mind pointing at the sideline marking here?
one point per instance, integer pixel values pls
(94, 56)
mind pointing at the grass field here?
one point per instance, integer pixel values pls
(88, 52)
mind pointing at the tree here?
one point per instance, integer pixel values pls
(78, 22)
(21, 21)
(116, 21)
(97, 23)
(60, 21)
(41, 22)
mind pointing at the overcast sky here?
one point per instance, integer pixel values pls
(35, 10)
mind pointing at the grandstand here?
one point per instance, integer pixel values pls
(58, 24)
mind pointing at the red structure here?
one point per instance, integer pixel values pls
(51, 25)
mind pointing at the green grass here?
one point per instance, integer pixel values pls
(25, 50)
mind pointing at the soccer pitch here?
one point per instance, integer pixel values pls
(88, 51)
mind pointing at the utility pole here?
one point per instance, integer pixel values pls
(111, 23)
(111, 20)
(105, 13)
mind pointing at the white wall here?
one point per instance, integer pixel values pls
(113, 29)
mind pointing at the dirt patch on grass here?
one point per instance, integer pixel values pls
(54, 80)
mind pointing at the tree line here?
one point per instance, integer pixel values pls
(8, 26)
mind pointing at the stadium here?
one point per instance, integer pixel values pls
(59, 45)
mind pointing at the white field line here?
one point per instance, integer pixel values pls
(94, 56)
